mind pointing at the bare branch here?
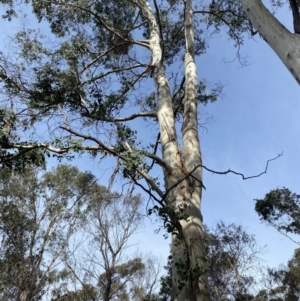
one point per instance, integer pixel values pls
(240, 174)
(112, 151)
(218, 15)
(155, 149)
(102, 75)
(219, 173)
(159, 26)
(126, 118)
(148, 191)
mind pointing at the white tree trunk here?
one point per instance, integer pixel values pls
(285, 44)
(188, 244)
(190, 191)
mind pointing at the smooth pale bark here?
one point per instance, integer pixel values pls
(190, 191)
(168, 137)
(188, 244)
(285, 44)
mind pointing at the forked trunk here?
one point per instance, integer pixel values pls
(189, 271)
(190, 244)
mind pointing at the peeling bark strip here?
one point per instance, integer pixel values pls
(187, 245)
(285, 44)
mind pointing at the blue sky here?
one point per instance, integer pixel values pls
(256, 119)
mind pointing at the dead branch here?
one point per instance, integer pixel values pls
(219, 173)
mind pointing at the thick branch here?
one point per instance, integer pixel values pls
(156, 159)
(30, 147)
(165, 114)
(159, 25)
(280, 39)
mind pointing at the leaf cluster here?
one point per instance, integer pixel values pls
(281, 209)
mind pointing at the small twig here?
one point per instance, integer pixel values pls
(155, 150)
(121, 119)
(148, 191)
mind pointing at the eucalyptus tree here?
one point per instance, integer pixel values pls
(234, 267)
(284, 42)
(102, 266)
(85, 83)
(282, 284)
(39, 213)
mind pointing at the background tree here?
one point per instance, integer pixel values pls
(38, 216)
(165, 291)
(102, 264)
(282, 284)
(233, 262)
(233, 265)
(45, 217)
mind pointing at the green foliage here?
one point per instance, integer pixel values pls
(170, 217)
(292, 278)
(228, 14)
(231, 262)
(284, 282)
(86, 293)
(38, 215)
(281, 209)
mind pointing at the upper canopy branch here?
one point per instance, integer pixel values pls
(101, 22)
(57, 150)
(115, 153)
(117, 70)
(284, 43)
(219, 14)
(125, 118)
